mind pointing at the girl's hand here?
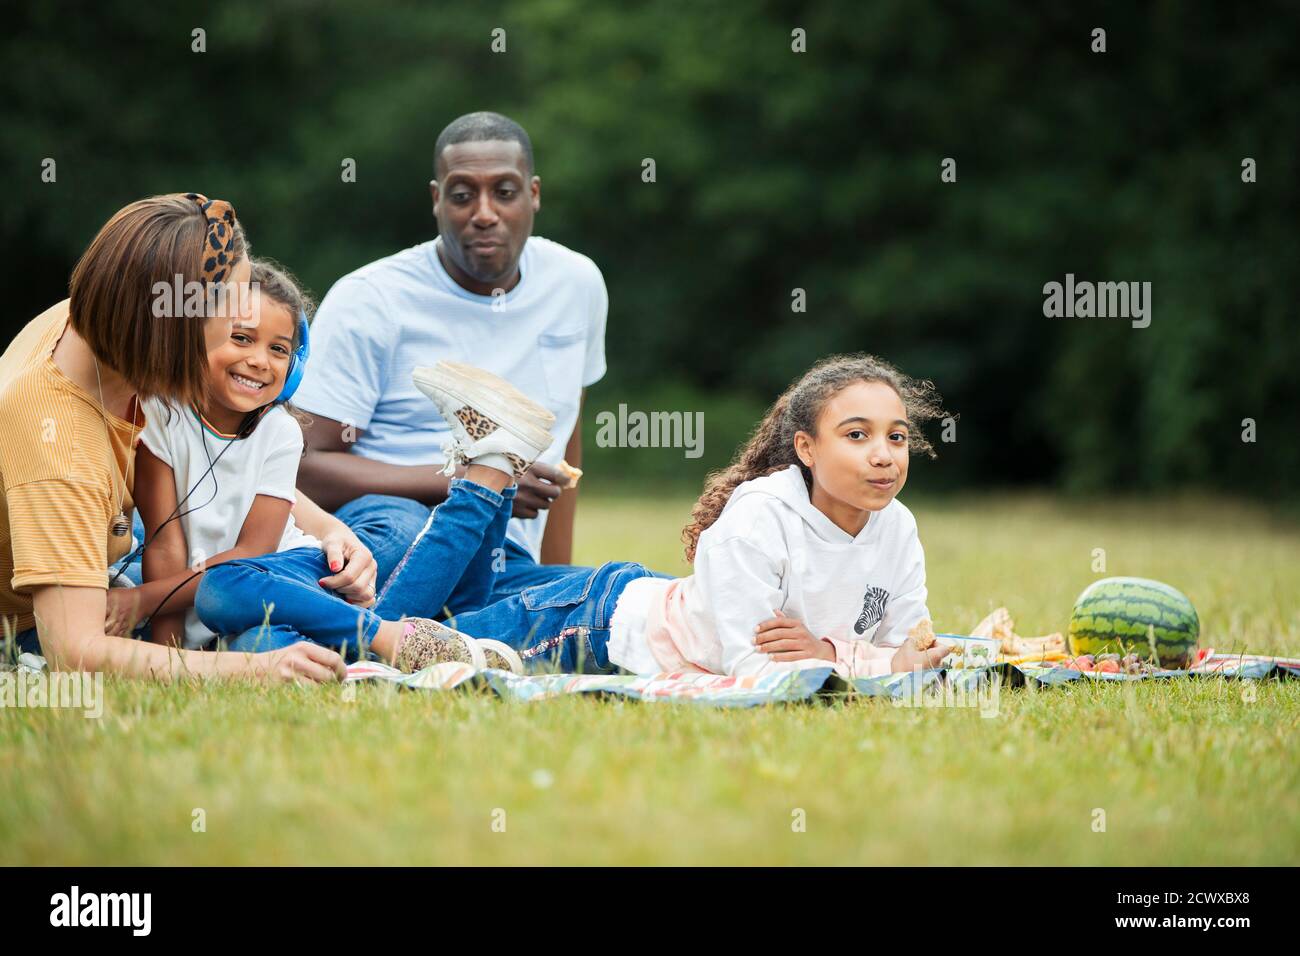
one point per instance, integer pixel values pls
(785, 638)
(353, 566)
(908, 658)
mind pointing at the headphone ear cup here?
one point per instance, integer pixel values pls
(291, 378)
(297, 361)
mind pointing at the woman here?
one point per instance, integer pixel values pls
(70, 386)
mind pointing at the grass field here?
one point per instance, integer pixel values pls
(1185, 772)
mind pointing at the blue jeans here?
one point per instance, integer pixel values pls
(387, 524)
(562, 624)
(275, 600)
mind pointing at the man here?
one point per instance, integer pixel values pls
(486, 292)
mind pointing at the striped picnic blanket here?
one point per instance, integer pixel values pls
(718, 691)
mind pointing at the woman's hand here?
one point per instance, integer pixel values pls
(353, 564)
(785, 638)
(301, 663)
(121, 611)
(908, 658)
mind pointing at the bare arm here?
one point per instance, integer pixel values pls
(332, 475)
(70, 622)
(557, 540)
(259, 535)
(167, 575)
(165, 556)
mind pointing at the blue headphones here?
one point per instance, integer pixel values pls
(297, 361)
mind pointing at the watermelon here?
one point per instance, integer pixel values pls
(1135, 616)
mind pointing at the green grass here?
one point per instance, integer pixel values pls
(1186, 772)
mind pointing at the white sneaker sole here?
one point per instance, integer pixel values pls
(493, 396)
(505, 650)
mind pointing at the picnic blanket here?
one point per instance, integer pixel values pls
(718, 691)
(711, 689)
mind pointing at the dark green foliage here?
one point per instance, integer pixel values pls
(775, 171)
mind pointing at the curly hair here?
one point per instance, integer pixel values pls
(771, 447)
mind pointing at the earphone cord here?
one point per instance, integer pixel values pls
(177, 513)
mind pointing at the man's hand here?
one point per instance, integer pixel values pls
(785, 638)
(539, 486)
(353, 566)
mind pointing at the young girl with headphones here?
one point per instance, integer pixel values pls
(216, 484)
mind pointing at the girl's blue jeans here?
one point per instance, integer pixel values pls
(561, 625)
(275, 600)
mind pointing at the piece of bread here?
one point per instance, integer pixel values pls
(1000, 626)
(573, 474)
(922, 634)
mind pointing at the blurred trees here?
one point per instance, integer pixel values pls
(775, 170)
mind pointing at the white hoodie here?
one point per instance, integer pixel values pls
(772, 549)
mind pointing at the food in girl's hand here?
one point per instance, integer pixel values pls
(569, 472)
(922, 634)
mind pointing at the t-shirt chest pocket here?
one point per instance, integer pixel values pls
(561, 355)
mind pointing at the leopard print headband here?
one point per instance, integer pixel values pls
(220, 238)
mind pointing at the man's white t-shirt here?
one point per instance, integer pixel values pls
(546, 336)
(264, 463)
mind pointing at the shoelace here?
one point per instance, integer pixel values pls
(453, 453)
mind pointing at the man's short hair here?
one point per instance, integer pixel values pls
(483, 127)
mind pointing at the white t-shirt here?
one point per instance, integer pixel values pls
(772, 549)
(546, 336)
(264, 463)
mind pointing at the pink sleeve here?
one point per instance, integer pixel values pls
(861, 658)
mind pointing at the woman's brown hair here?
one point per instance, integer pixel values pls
(771, 447)
(113, 299)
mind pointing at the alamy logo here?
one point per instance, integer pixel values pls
(103, 909)
(873, 609)
(1099, 300)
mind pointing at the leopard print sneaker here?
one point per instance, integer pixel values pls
(489, 417)
(500, 656)
(425, 642)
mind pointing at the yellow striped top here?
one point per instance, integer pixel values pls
(61, 471)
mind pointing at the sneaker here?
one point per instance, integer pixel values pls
(500, 656)
(487, 415)
(426, 642)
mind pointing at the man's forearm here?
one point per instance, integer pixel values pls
(333, 478)
(557, 539)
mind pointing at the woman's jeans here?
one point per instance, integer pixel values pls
(562, 625)
(275, 600)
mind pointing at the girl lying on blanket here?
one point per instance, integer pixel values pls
(802, 554)
(215, 485)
